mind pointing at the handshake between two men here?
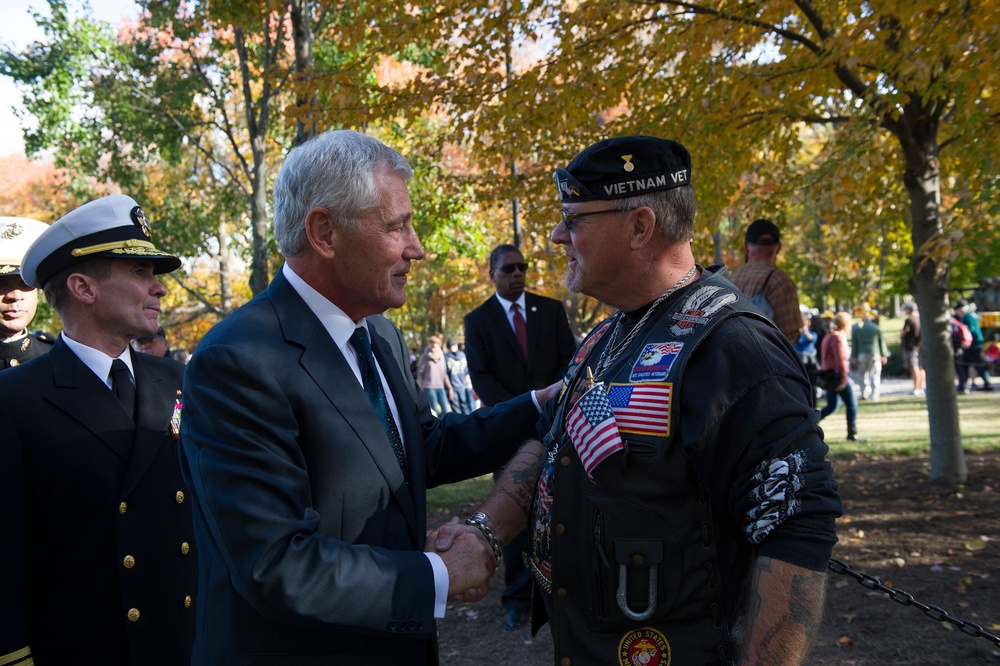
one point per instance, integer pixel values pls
(471, 549)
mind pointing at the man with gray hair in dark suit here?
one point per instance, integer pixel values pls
(309, 446)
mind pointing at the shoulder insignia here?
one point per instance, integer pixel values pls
(591, 340)
(699, 308)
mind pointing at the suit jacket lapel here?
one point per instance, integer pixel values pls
(533, 320)
(408, 425)
(155, 405)
(325, 364)
(77, 391)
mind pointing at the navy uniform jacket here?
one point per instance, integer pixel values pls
(16, 352)
(309, 539)
(98, 562)
(498, 369)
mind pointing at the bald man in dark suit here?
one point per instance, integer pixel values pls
(501, 367)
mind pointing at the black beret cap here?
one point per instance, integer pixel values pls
(625, 166)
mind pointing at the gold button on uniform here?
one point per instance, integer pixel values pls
(564, 661)
(560, 529)
(185, 548)
(179, 497)
(14, 362)
(122, 508)
(561, 592)
(133, 614)
(187, 601)
(566, 461)
(129, 561)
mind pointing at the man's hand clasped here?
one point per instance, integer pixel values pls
(469, 557)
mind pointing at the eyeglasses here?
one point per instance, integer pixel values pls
(510, 268)
(569, 219)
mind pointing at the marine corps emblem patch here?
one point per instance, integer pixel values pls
(644, 647)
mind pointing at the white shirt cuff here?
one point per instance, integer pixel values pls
(440, 584)
(534, 399)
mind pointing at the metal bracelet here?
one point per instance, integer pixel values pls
(480, 521)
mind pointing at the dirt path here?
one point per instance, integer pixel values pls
(943, 549)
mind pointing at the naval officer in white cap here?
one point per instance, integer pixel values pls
(18, 300)
(98, 563)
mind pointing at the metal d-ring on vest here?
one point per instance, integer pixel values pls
(623, 602)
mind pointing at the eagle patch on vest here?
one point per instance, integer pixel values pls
(655, 361)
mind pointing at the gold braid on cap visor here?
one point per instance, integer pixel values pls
(130, 246)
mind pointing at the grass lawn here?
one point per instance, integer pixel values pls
(898, 426)
(895, 426)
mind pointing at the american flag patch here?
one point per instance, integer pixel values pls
(643, 409)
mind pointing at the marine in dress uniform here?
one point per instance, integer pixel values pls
(17, 299)
(98, 563)
(682, 480)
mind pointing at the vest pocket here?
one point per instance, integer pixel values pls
(635, 567)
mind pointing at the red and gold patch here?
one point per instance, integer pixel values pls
(644, 647)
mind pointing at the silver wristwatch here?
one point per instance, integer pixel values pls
(481, 522)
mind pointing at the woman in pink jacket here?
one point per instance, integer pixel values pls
(835, 354)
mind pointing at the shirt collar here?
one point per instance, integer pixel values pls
(334, 320)
(506, 304)
(98, 362)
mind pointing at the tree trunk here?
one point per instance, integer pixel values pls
(305, 97)
(259, 277)
(225, 285)
(930, 288)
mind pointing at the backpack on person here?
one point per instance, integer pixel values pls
(760, 300)
(961, 336)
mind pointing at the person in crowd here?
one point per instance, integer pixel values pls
(432, 375)
(309, 446)
(909, 338)
(458, 375)
(18, 300)
(869, 352)
(155, 344)
(972, 356)
(98, 560)
(680, 503)
(515, 341)
(806, 347)
(835, 354)
(764, 283)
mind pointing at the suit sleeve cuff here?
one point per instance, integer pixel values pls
(440, 584)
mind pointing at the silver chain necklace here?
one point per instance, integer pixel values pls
(609, 354)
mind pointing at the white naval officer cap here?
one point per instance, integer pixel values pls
(113, 226)
(16, 236)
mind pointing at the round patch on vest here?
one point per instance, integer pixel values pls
(644, 647)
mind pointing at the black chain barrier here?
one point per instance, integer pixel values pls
(906, 599)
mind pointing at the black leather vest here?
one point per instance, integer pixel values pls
(636, 557)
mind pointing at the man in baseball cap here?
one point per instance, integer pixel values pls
(89, 475)
(18, 300)
(684, 454)
(767, 286)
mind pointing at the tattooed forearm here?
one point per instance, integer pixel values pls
(783, 613)
(510, 502)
